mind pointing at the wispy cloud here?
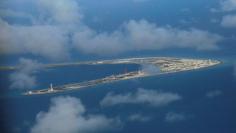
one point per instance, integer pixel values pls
(68, 115)
(139, 118)
(141, 96)
(60, 11)
(174, 117)
(229, 18)
(214, 93)
(23, 77)
(229, 21)
(228, 5)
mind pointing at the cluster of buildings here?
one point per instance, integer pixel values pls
(187, 64)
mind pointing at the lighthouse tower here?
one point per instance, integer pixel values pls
(51, 88)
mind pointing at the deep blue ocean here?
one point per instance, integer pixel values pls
(205, 115)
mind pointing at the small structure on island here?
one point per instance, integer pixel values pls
(51, 88)
(139, 72)
(113, 77)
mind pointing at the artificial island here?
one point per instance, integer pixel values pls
(164, 64)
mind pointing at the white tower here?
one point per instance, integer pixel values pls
(139, 72)
(51, 88)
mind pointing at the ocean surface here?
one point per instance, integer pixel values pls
(204, 114)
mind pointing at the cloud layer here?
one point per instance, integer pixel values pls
(143, 35)
(67, 115)
(141, 96)
(57, 28)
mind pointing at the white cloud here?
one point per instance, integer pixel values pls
(68, 115)
(139, 118)
(23, 77)
(229, 21)
(46, 41)
(228, 5)
(174, 117)
(90, 42)
(47, 36)
(141, 96)
(147, 35)
(60, 11)
(185, 10)
(212, 94)
(214, 20)
(142, 35)
(215, 10)
(59, 23)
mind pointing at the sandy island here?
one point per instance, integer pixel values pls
(165, 65)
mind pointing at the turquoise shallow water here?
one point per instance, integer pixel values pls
(204, 114)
